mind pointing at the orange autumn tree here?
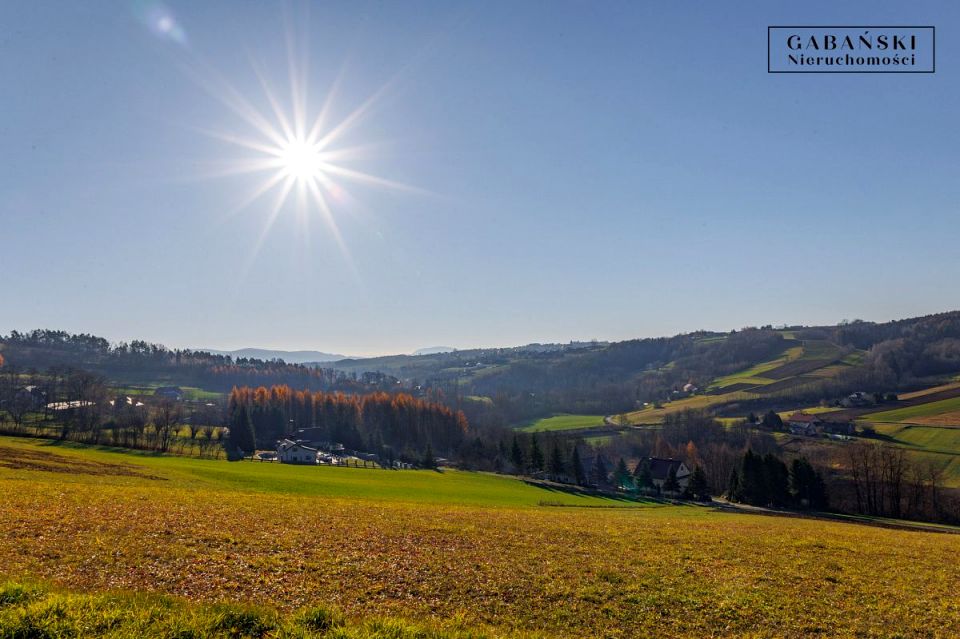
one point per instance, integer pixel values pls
(373, 422)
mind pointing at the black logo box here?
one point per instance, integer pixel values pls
(932, 28)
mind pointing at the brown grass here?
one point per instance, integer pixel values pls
(565, 572)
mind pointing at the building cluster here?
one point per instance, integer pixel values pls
(302, 447)
(801, 423)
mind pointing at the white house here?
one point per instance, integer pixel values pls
(660, 471)
(291, 452)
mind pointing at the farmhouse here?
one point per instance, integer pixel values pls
(291, 452)
(801, 423)
(31, 396)
(169, 392)
(858, 399)
(839, 427)
(660, 470)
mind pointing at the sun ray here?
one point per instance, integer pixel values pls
(274, 102)
(272, 216)
(262, 189)
(366, 178)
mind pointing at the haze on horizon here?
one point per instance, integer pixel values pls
(532, 173)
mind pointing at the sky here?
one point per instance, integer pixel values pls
(545, 172)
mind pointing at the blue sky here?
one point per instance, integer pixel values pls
(584, 170)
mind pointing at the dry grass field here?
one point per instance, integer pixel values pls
(506, 559)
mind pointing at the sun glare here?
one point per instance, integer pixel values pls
(294, 146)
(301, 160)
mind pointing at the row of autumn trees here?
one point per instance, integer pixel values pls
(398, 426)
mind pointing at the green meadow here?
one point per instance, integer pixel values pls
(562, 422)
(913, 412)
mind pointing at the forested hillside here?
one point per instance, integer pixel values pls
(506, 385)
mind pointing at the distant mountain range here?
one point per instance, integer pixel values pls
(290, 357)
(434, 350)
(310, 357)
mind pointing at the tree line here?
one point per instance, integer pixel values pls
(399, 426)
(80, 406)
(48, 349)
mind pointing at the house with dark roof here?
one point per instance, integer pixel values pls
(801, 423)
(169, 392)
(839, 427)
(660, 470)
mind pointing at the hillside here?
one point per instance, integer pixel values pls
(752, 369)
(462, 552)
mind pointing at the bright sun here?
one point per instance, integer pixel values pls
(301, 160)
(296, 148)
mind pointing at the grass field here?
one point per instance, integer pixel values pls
(754, 375)
(910, 413)
(563, 422)
(928, 444)
(191, 393)
(652, 415)
(929, 438)
(464, 552)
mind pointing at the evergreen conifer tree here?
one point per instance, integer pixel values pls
(671, 485)
(428, 460)
(516, 456)
(536, 455)
(599, 471)
(622, 474)
(733, 486)
(699, 486)
(643, 475)
(555, 466)
(578, 475)
(242, 435)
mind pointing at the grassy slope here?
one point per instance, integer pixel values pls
(911, 412)
(460, 549)
(940, 440)
(421, 487)
(754, 375)
(563, 422)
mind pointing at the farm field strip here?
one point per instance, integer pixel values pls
(952, 386)
(755, 373)
(920, 410)
(516, 567)
(563, 422)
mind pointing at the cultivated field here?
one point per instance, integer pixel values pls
(463, 552)
(911, 414)
(563, 422)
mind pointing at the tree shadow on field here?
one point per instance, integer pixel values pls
(615, 500)
(64, 443)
